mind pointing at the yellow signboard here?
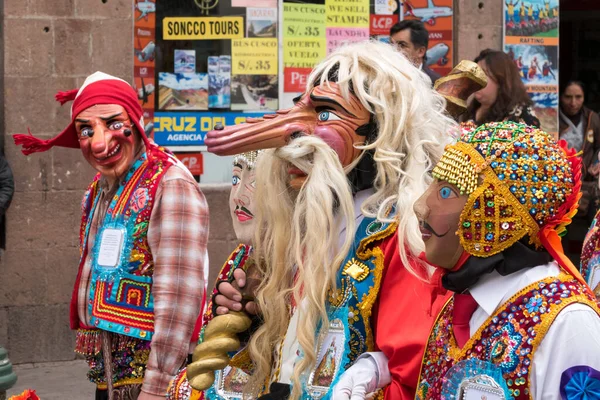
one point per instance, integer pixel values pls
(303, 21)
(208, 28)
(347, 13)
(304, 41)
(303, 53)
(254, 56)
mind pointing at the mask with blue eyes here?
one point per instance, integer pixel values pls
(446, 192)
(327, 116)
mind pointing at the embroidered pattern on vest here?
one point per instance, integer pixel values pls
(349, 310)
(508, 339)
(229, 382)
(121, 298)
(590, 257)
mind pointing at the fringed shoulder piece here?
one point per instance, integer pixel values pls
(31, 144)
(64, 97)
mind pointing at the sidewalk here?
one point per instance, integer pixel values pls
(54, 381)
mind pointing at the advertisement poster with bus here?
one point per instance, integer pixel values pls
(531, 40)
(437, 16)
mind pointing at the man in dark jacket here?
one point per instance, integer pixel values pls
(7, 188)
(411, 37)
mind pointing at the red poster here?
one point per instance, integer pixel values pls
(144, 43)
(381, 24)
(193, 161)
(437, 17)
(294, 79)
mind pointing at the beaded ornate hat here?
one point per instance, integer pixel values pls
(249, 158)
(520, 182)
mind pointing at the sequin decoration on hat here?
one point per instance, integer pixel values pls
(519, 181)
(249, 158)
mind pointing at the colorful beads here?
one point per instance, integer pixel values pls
(523, 170)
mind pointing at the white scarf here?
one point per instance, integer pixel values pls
(574, 135)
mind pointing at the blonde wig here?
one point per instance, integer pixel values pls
(412, 130)
(297, 235)
(297, 242)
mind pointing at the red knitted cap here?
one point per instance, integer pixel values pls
(98, 88)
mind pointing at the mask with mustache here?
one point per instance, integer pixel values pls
(439, 211)
(241, 197)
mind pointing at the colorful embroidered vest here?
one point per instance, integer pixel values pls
(349, 310)
(497, 358)
(120, 295)
(590, 256)
(349, 334)
(229, 382)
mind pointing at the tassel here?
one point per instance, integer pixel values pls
(69, 95)
(30, 143)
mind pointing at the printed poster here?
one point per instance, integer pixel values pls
(386, 7)
(254, 92)
(261, 22)
(437, 17)
(531, 40)
(254, 3)
(219, 82)
(188, 91)
(347, 22)
(304, 43)
(144, 53)
(252, 56)
(185, 61)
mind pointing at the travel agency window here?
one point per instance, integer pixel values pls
(202, 62)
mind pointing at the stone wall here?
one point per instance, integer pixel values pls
(477, 26)
(52, 45)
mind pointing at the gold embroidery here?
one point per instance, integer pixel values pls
(545, 324)
(356, 269)
(366, 303)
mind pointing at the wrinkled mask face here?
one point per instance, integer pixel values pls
(107, 139)
(323, 111)
(438, 211)
(334, 119)
(241, 201)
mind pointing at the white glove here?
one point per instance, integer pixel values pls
(369, 373)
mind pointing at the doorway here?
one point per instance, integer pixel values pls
(579, 46)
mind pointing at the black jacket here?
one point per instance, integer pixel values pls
(434, 76)
(7, 188)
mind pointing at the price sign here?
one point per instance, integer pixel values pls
(303, 31)
(254, 56)
(254, 66)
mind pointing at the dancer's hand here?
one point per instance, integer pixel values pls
(230, 298)
(364, 377)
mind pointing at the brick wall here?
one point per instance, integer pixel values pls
(52, 45)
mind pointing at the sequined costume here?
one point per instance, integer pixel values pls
(522, 190)
(590, 257)
(140, 279)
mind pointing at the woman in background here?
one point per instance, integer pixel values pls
(580, 127)
(504, 98)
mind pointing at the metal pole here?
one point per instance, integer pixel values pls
(7, 376)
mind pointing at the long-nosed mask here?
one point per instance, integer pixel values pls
(323, 112)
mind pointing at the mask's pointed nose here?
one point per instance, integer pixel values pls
(270, 131)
